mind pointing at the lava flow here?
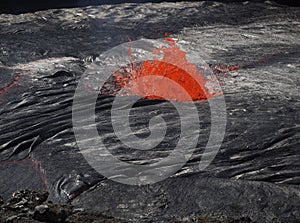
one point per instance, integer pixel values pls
(173, 66)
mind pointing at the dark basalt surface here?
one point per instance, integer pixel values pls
(256, 173)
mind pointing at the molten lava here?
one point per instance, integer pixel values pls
(173, 66)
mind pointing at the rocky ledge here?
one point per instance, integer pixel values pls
(28, 206)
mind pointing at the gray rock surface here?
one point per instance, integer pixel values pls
(256, 172)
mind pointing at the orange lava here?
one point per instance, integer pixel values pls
(173, 66)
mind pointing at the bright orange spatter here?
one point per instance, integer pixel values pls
(174, 66)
